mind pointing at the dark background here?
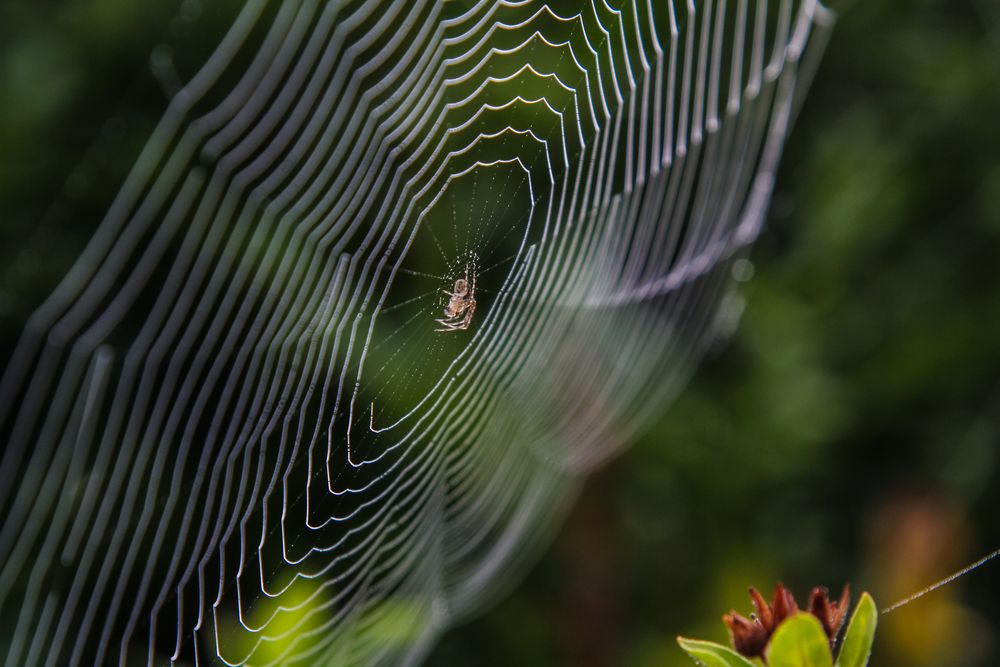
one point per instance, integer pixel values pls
(847, 431)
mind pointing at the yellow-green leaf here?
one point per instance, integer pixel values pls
(799, 642)
(711, 654)
(860, 634)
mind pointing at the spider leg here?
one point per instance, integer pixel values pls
(447, 325)
(470, 309)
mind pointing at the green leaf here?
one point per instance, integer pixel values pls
(860, 634)
(799, 642)
(711, 654)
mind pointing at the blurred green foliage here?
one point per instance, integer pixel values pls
(80, 93)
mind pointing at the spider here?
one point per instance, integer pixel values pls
(461, 305)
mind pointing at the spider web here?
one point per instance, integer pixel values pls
(233, 434)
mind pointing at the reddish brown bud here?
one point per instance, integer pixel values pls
(763, 610)
(830, 614)
(784, 604)
(751, 635)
